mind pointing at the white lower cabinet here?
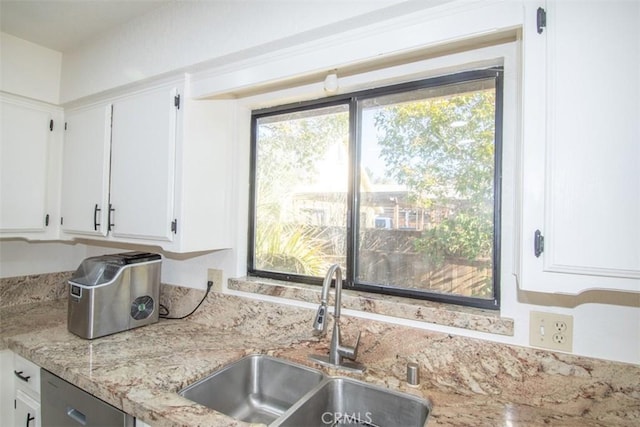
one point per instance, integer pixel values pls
(26, 378)
(7, 388)
(20, 395)
(27, 410)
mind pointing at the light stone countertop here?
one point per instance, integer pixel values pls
(140, 371)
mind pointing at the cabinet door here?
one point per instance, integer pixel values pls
(142, 165)
(7, 388)
(24, 156)
(581, 148)
(85, 170)
(27, 411)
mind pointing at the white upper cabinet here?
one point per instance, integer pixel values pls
(581, 148)
(151, 168)
(85, 175)
(29, 168)
(143, 165)
(205, 173)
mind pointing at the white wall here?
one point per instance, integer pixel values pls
(186, 33)
(189, 270)
(20, 258)
(30, 70)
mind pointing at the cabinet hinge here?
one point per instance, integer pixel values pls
(51, 125)
(46, 220)
(174, 226)
(538, 243)
(541, 20)
(176, 101)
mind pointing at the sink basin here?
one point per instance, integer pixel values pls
(256, 389)
(343, 401)
(268, 390)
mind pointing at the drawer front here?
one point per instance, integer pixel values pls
(26, 374)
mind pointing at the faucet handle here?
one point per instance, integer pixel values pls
(350, 352)
(320, 321)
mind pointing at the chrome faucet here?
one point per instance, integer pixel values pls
(337, 351)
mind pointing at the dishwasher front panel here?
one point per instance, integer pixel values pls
(63, 404)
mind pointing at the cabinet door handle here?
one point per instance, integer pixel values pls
(29, 418)
(22, 377)
(96, 224)
(111, 210)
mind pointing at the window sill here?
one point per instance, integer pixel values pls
(470, 318)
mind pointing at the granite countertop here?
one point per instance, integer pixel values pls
(140, 371)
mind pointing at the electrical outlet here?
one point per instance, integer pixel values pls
(551, 330)
(215, 276)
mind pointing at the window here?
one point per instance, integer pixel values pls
(399, 185)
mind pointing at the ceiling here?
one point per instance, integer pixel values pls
(64, 24)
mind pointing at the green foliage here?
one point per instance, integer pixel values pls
(290, 248)
(442, 149)
(463, 235)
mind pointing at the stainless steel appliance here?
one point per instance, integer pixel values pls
(114, 293)
(63, 404)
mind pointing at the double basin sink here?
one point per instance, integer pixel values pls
(276, 392)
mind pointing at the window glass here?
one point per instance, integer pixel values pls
(427, 189)
(301, 179)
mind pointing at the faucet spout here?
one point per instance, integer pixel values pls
(338, 351)
(320, 321)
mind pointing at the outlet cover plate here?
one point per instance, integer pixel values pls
(215, 276)
(551, 330)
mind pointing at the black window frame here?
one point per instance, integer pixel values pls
(352, 231)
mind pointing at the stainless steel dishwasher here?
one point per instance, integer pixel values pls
(63, 404)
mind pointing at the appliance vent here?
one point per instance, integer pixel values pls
(142, 307)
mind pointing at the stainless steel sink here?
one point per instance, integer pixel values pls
(343, 401)
(264, 389)
(256, 389)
